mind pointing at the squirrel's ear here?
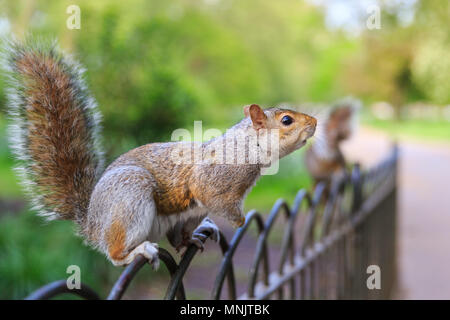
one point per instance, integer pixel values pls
(257, 115)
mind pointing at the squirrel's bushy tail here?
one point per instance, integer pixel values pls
(54, 128)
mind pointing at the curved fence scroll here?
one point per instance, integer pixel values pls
(346, 228)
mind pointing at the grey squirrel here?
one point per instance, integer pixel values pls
(143, 195)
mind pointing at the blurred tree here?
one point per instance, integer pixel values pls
(431, 65)
(402, 64)
(155, 66)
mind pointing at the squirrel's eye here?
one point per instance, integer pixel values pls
(286, 120)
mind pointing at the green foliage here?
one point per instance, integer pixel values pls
(404, 64)
(9, 184)
(156, 66)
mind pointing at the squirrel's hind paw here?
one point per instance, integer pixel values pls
(147, 249)
(150, 251)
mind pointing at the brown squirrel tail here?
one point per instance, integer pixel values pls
(54, 131)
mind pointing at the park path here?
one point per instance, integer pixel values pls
(424, 211)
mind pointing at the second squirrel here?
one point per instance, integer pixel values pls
(324, 158)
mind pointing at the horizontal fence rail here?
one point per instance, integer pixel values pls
(346, 228)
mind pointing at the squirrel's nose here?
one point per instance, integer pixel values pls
(312, 124)
(313, 121)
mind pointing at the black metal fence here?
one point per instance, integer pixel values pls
(344, 230)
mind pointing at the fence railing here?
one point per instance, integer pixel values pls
(344, 230)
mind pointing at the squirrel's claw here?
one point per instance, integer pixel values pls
(196, 240)
(199, 237)
(207, 225)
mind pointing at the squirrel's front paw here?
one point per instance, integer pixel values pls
(198, 236)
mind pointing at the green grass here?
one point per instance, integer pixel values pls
(417, 129)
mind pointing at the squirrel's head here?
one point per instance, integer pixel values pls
(294, 128)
